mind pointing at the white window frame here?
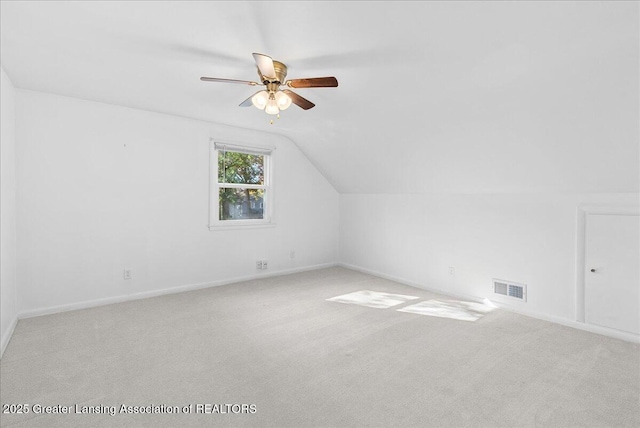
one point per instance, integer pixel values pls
(214, 187)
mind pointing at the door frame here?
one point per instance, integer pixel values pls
(581, 230)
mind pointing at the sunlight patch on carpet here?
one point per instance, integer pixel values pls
(457, 310)
(372, 299)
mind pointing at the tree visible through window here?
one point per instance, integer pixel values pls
(241, 186)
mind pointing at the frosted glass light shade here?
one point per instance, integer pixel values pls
(260, 99)
(272, 106)
(283, 100)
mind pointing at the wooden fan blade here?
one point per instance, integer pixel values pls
(265, 65)
(301, 102)
(248, 102)
(216, 79)
(314, 82)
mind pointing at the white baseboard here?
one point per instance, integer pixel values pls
(617, 334)
(178, 289)
(629, 337)
(7, 336)
(411, 283)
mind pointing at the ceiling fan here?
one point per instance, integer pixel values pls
(272, 75)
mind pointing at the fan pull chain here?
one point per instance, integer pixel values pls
(277, 117)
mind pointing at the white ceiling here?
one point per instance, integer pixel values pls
(433, 96)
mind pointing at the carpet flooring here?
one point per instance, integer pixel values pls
(275, 353)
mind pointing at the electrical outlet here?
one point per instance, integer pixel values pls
(127, 274)
(259, 264)
(452, 271)
(292, 254)
(264, 264)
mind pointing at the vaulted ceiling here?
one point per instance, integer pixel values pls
(433, 96)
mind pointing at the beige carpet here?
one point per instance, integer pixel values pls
(301, 360)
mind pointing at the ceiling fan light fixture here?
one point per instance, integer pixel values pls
(276, 95)
(283, 100)
(272, 105)
(260, 99)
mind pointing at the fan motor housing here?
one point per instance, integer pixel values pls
(281, 73)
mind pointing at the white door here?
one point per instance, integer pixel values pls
(612, 277)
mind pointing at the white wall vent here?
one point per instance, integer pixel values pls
(510, 289)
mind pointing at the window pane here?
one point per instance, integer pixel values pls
(240, 168)
(241, 204)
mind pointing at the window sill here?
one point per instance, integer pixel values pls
(223, 227)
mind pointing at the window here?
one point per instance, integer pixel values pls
(240, 186)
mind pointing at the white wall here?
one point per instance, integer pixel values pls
(8, 285)
(102, 188)
(526, 238)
